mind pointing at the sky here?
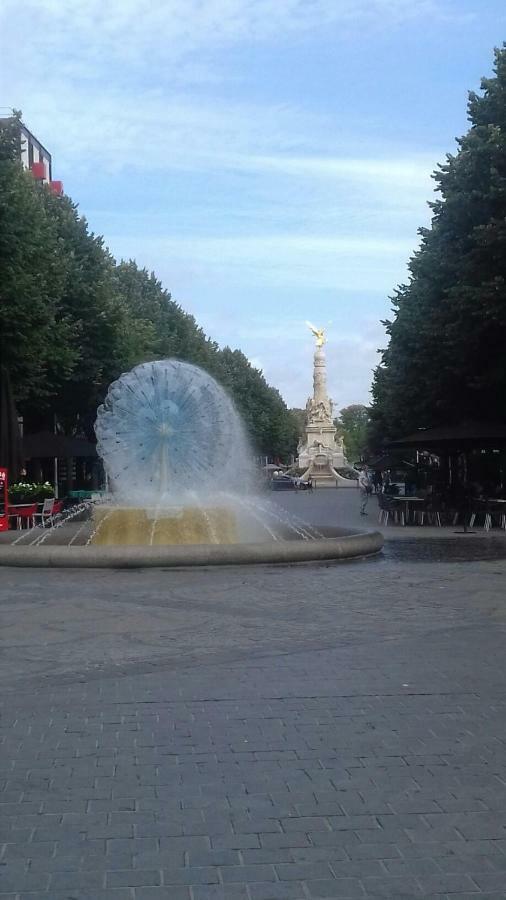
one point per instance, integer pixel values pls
(270, 160)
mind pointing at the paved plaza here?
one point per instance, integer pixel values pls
(261, 733)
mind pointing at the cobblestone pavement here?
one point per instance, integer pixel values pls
(333, 731)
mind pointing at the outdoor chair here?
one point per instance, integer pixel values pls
(387, 508)
(47, 512)
(419, 512)
(435, 510)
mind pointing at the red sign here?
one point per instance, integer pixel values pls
(4, 504)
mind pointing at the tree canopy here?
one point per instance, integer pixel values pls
(445, 359)
(72, 319)
(353, 424)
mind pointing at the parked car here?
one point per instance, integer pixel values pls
(283, 483)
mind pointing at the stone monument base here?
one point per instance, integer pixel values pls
(131, 526)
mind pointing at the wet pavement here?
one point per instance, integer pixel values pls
(412, 543)
(269, 733)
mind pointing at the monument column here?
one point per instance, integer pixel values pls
(320, 448)
(320, 377)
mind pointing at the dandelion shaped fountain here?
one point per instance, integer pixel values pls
(183, 488)
(169, 437)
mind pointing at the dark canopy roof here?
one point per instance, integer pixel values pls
(388, 461)
(464, 436)
(45, 444)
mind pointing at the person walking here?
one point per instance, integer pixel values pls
(365, 488)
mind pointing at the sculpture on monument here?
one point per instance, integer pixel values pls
(320, 450)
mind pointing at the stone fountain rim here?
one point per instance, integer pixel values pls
(351, 545)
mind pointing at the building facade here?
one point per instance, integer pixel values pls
(33, 155)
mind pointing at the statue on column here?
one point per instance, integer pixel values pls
(319, 334)
(319, 445)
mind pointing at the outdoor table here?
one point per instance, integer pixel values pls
(406, 501)
(13, 512)
(500, 509)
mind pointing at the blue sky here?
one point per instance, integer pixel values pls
(270, 160)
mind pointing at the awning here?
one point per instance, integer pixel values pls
(381, 463)
(465, 436)
(44, 444)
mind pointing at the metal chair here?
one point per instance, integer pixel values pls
(47, 512)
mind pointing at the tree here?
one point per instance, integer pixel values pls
(353, 423)
(445, 358)
(34, 329)
(72, 320)
(271, 426)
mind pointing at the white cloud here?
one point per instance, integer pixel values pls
(136, 89)
(103, 33)
(362, 263)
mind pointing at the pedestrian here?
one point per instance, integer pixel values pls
(377, 481)
(365, 488)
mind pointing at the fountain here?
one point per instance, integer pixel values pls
(182, 487)
(169, 436)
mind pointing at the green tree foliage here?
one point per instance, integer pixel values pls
(445, 358)
(34, 329)
(72, 320)
(299, 415)
(353, 424)
(268, 421)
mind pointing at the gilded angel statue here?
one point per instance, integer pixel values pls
(319, 334)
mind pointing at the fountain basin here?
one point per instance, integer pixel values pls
(131, 526)
(336, 544)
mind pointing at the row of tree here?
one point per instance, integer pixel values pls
(72, 319)
(445, 359)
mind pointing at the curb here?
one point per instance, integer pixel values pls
(348, 546)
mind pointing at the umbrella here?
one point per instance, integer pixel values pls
(10, 437)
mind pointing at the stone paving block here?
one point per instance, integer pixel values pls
(158, 859)
(76, 880)
(313, 854)
(452, 884)
(357, 868)
(173, 892)
(305, 824)
(131, 845)
(41, 850)
(16, 879)
(238, 841)
(120, 894)
(490, 882)
(247, 873)
(340, 888)
(373, 851)
(219, 857)
(414, 867)
(133, 878)
(339, 838)
(303, 871)
(216, 892)
(191, 875)
(183, 844)
(288, 890)
(388, 888)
